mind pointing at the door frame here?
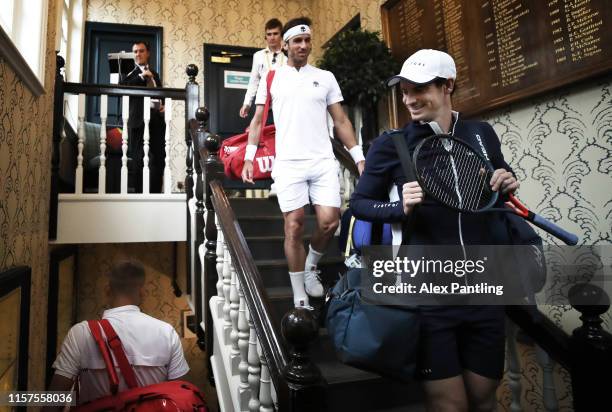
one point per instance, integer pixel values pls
(92, 28)
(209, 50)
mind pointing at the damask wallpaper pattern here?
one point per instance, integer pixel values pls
(25, 153)
(560, 147)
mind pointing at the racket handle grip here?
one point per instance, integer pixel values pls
(569, 238)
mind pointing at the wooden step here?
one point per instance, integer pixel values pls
(271, 225)
(271, 247)
(275, 271)
(245, 207)
(349, 388)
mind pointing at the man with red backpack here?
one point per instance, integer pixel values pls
(152, 347)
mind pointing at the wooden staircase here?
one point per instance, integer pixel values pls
(346, 388)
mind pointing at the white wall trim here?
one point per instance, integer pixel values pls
(22, 69)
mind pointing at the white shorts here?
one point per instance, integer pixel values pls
(299, 182)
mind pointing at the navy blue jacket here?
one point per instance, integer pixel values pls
(434, 224)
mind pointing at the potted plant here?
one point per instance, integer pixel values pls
(362, 63)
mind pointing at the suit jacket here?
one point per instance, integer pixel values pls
(136, 103)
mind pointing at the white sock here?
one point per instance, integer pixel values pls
(300, 298)
(312, 260)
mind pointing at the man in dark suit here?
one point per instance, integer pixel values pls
(144, 76)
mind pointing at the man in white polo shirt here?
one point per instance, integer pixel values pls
(305, 170)
(152, 346)
(264, 60)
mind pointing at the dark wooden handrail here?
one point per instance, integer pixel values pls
(550, 337)
(344, 157)
(254, 291)
(121, 90)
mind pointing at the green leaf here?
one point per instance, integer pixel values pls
(362, 63)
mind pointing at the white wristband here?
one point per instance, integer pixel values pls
(357, 154)
(249, 154)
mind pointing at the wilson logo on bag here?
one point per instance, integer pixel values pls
(265, 163)
(233, 148)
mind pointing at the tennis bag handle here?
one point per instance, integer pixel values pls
(269, 79)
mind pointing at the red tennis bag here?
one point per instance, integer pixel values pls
(233, 148)
(176, 396)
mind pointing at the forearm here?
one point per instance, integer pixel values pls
(345, 133)
(379, 211)
(254, 130)
(253, 85)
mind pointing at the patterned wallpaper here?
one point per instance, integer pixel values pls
(159, 301)
(560, 146)
(25, 153)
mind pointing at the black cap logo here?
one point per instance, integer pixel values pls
(303, 28)
(315, 84)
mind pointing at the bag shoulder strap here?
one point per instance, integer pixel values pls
(113, 380)
(264, 120)
(115, 344)
(404, 155)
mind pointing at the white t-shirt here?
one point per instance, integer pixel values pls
(152, 347)
(299, 102)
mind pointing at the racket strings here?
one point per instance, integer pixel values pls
(452, 173)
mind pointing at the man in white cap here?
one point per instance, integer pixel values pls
(305, 170)
(461, 348)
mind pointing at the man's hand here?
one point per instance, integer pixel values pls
(162, 108)
(361, 167)
(244, 111)
(504, 180)
(147, 73)
(412, 195)
(247, 172)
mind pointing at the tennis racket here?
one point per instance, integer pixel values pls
(455, 174)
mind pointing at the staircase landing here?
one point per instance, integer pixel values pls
(121, 218)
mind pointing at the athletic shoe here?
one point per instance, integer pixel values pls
(312, 283)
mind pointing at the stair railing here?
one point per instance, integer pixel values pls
(586, 354)
(348, 171)
(248, 357)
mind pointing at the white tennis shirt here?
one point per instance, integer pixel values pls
(299, 102)
(152, 346)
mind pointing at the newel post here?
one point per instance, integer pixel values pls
(212, 168)
(58, 126)
(590, 349)
(192, 98)
(300, 329)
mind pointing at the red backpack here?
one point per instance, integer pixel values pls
(233, 148)
(176, 396)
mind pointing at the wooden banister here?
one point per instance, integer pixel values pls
(344, 157)
(253, 289)
(116, 90)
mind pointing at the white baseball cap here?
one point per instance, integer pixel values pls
(424, 66)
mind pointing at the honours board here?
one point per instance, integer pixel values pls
(505, 50)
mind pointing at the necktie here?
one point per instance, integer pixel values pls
(150, 82)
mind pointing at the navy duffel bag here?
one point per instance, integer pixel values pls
(381, 339)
